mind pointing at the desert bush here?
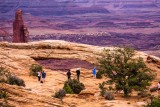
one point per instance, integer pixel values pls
(7, 77)
(99, 75)
(3, 94)
(109, 82)
(110, 88)
(102, 88)
(67, 89)
(155, 102)
(13, 80)
(34, 69)
(60, 94)
(75, 85)
(4, 74)
(109, 96)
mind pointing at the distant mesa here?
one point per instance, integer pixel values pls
(20, 31)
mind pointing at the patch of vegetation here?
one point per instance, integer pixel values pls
(4, 74)
(124, 71)
(7, 77)
(99, 75)
(74, 85)
(3, 94)
(67, 89)
(34, 69)
(60, 94)
(155, 102)
(13, 80)
(102, 88)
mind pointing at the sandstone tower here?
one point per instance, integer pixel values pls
(20, 31)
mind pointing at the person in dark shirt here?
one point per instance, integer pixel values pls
(43, 76)
(78, 73)
(69, 74)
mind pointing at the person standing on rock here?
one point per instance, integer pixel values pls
(69, 74)
(39, 75)
(78, 73)
(94, 72)
(43, 76)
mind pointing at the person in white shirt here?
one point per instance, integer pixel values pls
(39, 75)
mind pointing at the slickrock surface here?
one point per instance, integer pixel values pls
(18, 57)
(20, 97)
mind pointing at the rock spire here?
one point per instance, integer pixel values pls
(20, 31)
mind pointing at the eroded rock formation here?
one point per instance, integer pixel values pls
(19, 57)
(26, 54)
(20, 31)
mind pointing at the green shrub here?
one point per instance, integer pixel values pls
(13, 80)
(109, 96)
(3, 94)
(7, 77)
(67, 88)
(34, 69)
(4, 74)
(109, 82)
(102, 88)
(99, 75)
(60, 94)
(154, 103)
(110, 88)
(75, 85)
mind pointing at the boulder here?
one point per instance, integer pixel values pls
(153, 59)
(109, 96)
(86, 92)
(140, 104)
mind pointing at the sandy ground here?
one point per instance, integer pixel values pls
(56, 79)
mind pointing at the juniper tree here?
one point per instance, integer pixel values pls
(126, 72)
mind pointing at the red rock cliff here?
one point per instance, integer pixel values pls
(20, 31)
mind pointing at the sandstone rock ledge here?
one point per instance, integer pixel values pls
(19, 97)
(19, 56)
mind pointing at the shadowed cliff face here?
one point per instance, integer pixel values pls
(64, 64)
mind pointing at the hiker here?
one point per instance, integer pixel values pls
(43, 77)
(94, 72)
(158, 88)
(78, 73)
(39, 75)
(69, 74)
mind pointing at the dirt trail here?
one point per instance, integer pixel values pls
(55, 81)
